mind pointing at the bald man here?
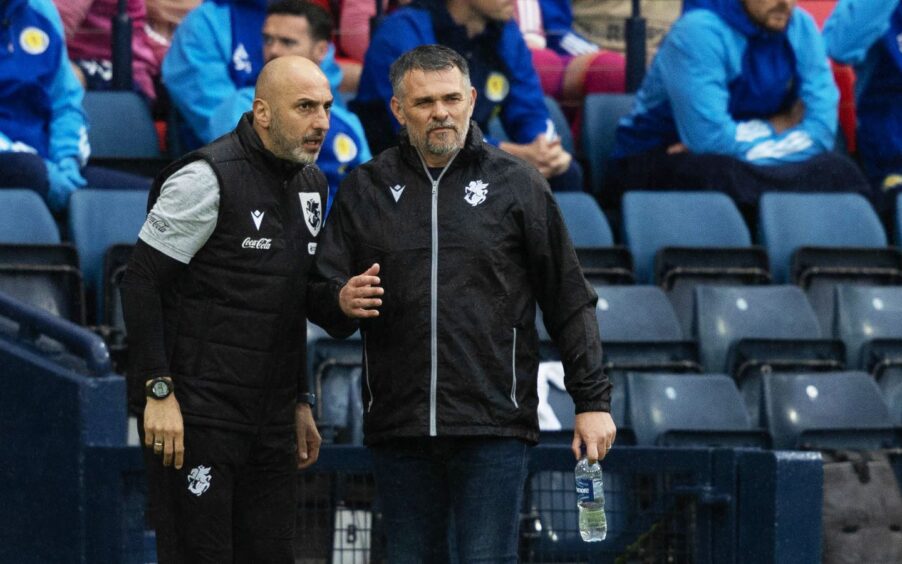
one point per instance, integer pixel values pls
(214, 300)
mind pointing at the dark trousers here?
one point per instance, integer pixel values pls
(233, 501)
(744, 182)
(423, 482)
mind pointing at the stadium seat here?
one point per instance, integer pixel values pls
(689, 409)
(679, 240)
(869, 322)
(820, 240)
(602, 261)
(601, 114)
(120, 126)
(752, 331)
(94, 229)
(496, 129)
(24, 218)
(585, 221)
(898, 225)
(829, 410)
(336, 370)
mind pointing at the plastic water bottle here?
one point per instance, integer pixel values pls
(593, 525)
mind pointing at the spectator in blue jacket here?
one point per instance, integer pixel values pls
(484, 33)
(217, 53)
(43, 135)
(739, 98)
(868, 34)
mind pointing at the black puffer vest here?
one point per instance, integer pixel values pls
(235, 323)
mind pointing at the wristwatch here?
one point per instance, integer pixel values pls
(309, 399)
(158, 388)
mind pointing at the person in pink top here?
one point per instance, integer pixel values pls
(88, 27)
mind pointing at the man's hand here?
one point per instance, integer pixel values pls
(359, 297)
(164, 430)
(308, 436)
(597, 431)
(548, 156)
(788, 119)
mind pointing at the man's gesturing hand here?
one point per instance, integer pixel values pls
(360, 296)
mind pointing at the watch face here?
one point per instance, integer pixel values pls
(160, 389)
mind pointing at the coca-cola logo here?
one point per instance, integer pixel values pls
(262, 243)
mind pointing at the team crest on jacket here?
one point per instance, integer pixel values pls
(475, 192)
(33, 40)
(344, 148)
(313, 211)
(199, 480)
(496, 87)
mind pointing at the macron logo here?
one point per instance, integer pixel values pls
(257, 216)
(397, 190)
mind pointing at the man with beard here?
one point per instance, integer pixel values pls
(214, 300)
(486, 35)
(457, 241)
(739, 99)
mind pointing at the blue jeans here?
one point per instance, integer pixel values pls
(423, 482)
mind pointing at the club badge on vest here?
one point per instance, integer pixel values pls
(475, 192)
(313, 211)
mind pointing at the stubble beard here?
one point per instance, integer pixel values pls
(284, 148)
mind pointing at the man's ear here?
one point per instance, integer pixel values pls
(262, 113)
(396, 110)
(320, 48)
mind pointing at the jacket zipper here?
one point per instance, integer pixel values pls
(433, 298)
(366, 372)
(514, 371)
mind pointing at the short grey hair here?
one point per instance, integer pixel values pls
(426, 58)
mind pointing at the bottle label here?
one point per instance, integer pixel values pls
(585, 489)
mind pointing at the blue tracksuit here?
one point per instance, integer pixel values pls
(716, 79)
(41, 109)
(212, 66)
(500, 69)
(868, 34)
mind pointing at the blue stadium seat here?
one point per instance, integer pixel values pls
(865, 313)
(869, 322)
(24, 218)
(828, 410)
(636, 314)
(689, 409)
(898, 218)
(788, 221)
(655, 220)
(820, 240)
(751, 331)
(601, 114)
(120, 126)
(99, 219)
(557, 117)
(585, 221)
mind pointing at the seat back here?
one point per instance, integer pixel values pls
(584, 219)
(99, 219)
(726, 314)
(655, 220)
(25, 218)
(865, 313)
(636, 314)
(601, 115)
(788, 221)
(120, 125)
(828, 410)
(704, 409)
